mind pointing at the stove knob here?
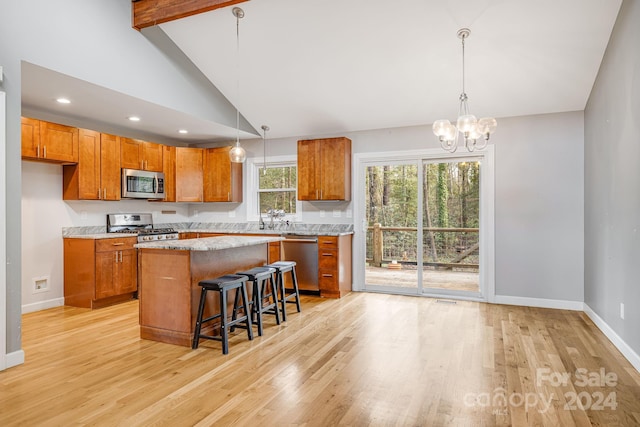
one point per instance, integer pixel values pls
(160, 237)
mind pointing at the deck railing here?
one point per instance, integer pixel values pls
(443, 247)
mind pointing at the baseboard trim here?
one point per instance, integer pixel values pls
(615, 339)
(539, 302)
(14, 359)
(42, 305)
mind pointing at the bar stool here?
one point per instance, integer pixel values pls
(221, 285)
(260, 276)
(283, 267)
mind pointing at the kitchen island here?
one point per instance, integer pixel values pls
(168, 276)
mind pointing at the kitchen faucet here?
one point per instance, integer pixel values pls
(274, 213)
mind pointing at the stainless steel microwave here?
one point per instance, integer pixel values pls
(137, 184)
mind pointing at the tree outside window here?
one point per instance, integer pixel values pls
(277, 188)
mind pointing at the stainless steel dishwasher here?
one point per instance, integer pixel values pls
(304, 251)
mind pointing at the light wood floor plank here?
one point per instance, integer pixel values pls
(363, 360)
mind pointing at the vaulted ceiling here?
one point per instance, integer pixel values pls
(320, 67)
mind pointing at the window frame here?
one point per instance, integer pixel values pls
(253, 186)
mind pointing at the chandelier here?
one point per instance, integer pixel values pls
(237, 154)
(475, 132)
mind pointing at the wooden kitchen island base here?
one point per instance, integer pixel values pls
(168, 281)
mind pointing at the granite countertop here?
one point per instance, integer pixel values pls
(280, 229)
(208, 243)
(97, 236)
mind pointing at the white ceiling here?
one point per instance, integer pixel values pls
(321, 67)
(312, 67)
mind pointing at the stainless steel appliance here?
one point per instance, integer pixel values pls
(304, 251)
(140, 224)
(137, 184)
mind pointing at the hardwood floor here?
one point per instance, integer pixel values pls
(366, 359)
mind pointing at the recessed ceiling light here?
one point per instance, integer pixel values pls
(183, 131)
(134, 118)
(63, 101)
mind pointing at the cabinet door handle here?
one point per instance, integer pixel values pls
(326, 254)
(327, 275)
(44, 150)
(120, 257)
(99, 194)
(38, 150)
(228, 196)
(316, 194)
(116, 254)
(118, 244)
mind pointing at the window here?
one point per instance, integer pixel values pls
(275, 189)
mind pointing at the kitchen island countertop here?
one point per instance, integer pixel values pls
(208, 243)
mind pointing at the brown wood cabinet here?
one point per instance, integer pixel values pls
(49, 142)
(188, 176)
(99, 272)
(222, 177)
(169, 170)
(324, 169)
(142, 155)
(334, 265)
(96, 176)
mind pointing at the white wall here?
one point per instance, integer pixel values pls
(44, 213)
(612, 184)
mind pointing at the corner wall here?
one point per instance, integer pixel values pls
(612, 184)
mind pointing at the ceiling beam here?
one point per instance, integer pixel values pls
(146, 13)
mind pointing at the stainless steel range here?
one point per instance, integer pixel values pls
(140, 224)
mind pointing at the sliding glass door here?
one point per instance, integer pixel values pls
(422, 225)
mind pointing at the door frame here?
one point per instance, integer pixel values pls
(487, 212)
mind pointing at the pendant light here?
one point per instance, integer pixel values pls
(468, 126)
(265, 128)
(237, 154)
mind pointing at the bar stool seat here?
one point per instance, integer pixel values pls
(287, 296)
(260, 277)
(221, 285)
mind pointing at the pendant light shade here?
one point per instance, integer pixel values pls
(474, 132)
(237, 154)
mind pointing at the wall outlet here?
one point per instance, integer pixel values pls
(40, 284)
(337, 213)
(321, 214)
(622, 310)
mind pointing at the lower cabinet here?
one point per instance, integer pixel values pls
(99, 272)
(334, 265)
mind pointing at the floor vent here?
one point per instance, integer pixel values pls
(445, 301)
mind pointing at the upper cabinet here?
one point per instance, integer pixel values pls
(142, 155)
(96, 176)
(188, 175)
(222, 177)
(49, 142)
(169, 170)
(324, 169)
